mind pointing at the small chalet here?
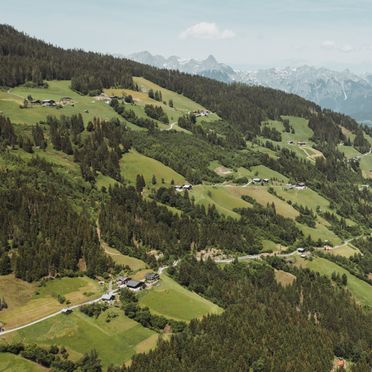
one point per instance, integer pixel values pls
(121, 281)
(257, 180)
(66, 311)
(110, 296)
(135, 285)
(300, 250)
(152, 277)
(48, 102)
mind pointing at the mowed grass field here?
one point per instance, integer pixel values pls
(181, 104)
(15, 363)
(121, 259)
(133, 163)
(284, 278)
(174, 301)
(361, 290)
(346, 250)
(115, 341)
(348, 151)
(10, 101)
(261, 171)
(262, 196)
(220, 196)
(366, 166)
(302, 133)
(28, 302)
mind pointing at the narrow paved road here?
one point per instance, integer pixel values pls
(50, 316)
(172, 125)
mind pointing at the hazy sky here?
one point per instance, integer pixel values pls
(332, 33)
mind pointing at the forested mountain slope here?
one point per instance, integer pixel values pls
(103, 160)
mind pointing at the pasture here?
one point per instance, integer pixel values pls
(174, 301)
(361, 290)
(15, 363)
(28, 301)
(116, 341)
(133, 163)
(10, 101)
(224, 200)
(134, 263)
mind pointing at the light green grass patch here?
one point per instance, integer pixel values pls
(133, 163)
(346, 250)
(56, 90)
(15, 363)
(261, 171)
(220, 196)
(320, 232)
(361, 290)
(115, 342)
(28, 302)
(174, 301)
(348, 151)
(366, 166)
(263, 197)
(121, 259)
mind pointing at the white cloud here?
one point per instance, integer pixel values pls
(331, 45)
(328, 44)
(206, 30)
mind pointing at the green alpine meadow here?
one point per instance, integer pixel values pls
(170, 214)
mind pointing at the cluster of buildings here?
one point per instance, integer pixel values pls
(201, 113)
(261, 180)
(299, 143)
(137, 285)
(296, 186)
(51, 102)
(183, 187)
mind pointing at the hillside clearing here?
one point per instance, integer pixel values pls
(121, 259)
(9, 103)
(220, 196)
(361, 290)
(174, 301)
(15, 363)
(134, 163)
(116, 340)
(284, 278)
(32, 302)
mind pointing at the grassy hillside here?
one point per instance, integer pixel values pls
(181, 104)
(121, 259)
(221, 197)
(174, 301)
(11, 99)
(361, 290)
(116, 340)
(28, 301)
(134, 163)
(15, 363)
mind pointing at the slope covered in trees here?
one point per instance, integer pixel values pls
(265, 326)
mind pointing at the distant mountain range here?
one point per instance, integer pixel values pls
(340, 91)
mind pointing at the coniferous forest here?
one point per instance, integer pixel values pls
(54, 218)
